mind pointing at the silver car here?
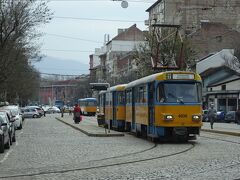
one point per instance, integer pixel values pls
(31, 113)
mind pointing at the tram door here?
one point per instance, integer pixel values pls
(151, 107)
(114, 96)
(133, 109)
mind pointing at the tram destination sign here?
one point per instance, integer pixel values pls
(182, 76)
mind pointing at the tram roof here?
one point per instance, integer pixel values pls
(161, 76)
(87, 99)
(120, 87)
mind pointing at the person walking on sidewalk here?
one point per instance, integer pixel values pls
(238, 116)
(77, 114)
(212, 115)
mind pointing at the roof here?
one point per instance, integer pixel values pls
(152, 6)
(211, 71)
(131, 30)
(88, 99)
(224, 81)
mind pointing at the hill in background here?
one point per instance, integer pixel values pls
(52, 65)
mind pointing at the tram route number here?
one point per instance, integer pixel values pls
(182, 115)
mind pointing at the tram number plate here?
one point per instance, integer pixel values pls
(182, 115)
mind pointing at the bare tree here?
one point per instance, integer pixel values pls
(233, 60)
(166, 53)
(19, 21)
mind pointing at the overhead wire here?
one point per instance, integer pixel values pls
(66, 50)
(96, 19)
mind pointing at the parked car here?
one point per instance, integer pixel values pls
(220, 116)
(230, 117)
(10, 127)
(53, 109)
(30, 113)
(4, 135)
(16, 112)
(40, 110)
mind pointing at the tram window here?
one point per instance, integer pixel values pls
(137, 95)
(178, 92)
(120, 98)
(129, 96)
(142, 94)
(160, 94)
(91, 103)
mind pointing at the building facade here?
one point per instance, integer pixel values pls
(190, 13)
(221, 87)
(113, 53)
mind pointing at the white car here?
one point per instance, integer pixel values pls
(17, 115)
(53, 109)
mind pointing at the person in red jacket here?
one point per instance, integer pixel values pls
(77, 114)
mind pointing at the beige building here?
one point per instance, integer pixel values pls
(190, 13)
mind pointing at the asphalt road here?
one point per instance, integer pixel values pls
(49, 149)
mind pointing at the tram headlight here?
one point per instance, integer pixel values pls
(168, 117)
(196, 117)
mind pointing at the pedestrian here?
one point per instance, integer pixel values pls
(77, 114)
(238, 116)
(62, 111)
(212, 115)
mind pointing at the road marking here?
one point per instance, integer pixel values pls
(6, 156)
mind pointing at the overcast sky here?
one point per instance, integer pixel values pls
(68, 38)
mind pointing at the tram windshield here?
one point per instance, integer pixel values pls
(174, 92)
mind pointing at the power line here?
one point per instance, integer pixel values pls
(64, 50)
(63, 69)
(97, 19)
(75, 38)
(52, 74)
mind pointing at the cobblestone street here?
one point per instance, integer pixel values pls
(49, 149)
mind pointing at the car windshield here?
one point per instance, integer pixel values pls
(179, 92)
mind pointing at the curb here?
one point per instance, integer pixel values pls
(87, 133)
(221, 132)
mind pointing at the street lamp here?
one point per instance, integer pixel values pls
(124, 4)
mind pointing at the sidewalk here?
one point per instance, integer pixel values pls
(222, 128)
(89, 126)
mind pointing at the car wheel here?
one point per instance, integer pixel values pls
(14, 138)
(8, 144)
(2, 145)
(20, 127)
(35, 116)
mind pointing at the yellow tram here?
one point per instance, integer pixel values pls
(163, 105)
(115, 112)
(88, 106)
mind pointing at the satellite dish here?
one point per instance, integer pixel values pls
(124, 4)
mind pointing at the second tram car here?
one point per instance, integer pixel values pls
(115, 107)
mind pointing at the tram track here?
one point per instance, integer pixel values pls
(46, 172)
(237, 163)
(218, 139)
